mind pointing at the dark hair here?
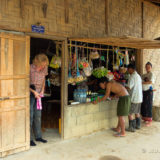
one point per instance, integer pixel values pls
(149, 63)
(131, 66)
(102, 80)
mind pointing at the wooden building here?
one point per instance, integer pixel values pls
(63, 19)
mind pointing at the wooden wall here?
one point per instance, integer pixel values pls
(125, 18)
(86, 18)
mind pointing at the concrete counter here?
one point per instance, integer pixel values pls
(83, 119)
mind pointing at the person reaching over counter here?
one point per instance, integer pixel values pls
(123, 106)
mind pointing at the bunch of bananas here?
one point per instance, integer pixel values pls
(70, 80)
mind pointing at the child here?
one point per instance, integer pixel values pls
(123, 106)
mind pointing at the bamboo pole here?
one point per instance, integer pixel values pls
(79, 46)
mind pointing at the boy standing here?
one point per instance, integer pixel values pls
(135, 89)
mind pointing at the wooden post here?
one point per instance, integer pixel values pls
(139, 61)
(66, 6)
(64, 83)
(106, 16)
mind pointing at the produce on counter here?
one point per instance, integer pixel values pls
(74, 80)
(110, 76)
(100, 72)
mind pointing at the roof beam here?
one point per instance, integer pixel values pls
(153, 1)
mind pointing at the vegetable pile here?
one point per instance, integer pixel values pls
(100, 72)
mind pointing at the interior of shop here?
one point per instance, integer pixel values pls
(51, 102)
(89, 62)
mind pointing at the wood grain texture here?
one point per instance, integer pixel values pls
(14, 83)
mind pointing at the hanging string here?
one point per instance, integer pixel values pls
(87, 52)
(113, 56)
(100, 57)
(107, 58)
(71, 50)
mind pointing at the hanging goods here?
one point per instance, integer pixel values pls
(79, 77)
(76, 50)
(119, 58)
(56, 60)
(87, 71)
(70, 78)
(126, 58)
(94, 54)
(107, 58)
(115, 66)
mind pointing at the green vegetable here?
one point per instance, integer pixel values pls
(100, 72)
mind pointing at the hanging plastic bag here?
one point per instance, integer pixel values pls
(83, 63)
(126, 58)
(56, 59)
(94, 54)
(55, 62)
(87, 71)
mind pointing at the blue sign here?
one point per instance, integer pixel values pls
(38, 29)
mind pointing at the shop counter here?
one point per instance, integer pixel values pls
(83, 119)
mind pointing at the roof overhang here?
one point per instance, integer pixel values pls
(126, 41)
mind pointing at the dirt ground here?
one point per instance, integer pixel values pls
(142, 145)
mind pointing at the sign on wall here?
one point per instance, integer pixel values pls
(38, 29)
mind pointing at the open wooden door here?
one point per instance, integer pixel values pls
(14, 93)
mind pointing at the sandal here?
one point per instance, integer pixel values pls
(148, 124)
(119, 135)
(115, 130)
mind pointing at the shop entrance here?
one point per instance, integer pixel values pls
(51, 112)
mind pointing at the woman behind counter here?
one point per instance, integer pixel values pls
(146, 108)
(38, 71)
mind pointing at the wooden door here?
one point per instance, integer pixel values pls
(14, 93)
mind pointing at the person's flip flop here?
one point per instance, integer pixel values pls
(114, 130)
(148, 124)
(119, 135)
